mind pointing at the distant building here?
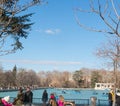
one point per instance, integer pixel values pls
(102, 86)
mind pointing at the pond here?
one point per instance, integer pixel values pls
(68, 93)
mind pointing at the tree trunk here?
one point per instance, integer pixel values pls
(115, 82)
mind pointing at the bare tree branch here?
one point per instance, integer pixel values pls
(115, 10)
(105, 11)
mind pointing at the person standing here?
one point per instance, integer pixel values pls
(28, 96)
(118, 99)
(110, 97)
(19, 99)
(44, 97)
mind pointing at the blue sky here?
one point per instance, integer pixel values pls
(56, 41)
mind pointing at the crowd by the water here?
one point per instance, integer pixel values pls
(25, 99)
(54, 100)
(111, 98)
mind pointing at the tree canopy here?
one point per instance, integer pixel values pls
(14, 25)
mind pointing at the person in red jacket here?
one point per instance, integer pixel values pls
(5, 101)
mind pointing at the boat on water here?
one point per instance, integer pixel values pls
(104, 86)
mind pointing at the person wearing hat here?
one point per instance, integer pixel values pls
(5, 101)
(52, 100)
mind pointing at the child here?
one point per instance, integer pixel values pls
(61, 101)
(52, 100)
(5, 101)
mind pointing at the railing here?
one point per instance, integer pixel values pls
(78, 102)
(102, 102)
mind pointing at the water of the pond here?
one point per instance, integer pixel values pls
(67, 93)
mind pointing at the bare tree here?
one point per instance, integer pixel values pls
(27, 78)
(42, 77)
(111, 52)
(107, 11)
(2, 79)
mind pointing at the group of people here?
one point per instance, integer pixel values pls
(22, 99)
(25, 99)
(53, 101)
(112, 96)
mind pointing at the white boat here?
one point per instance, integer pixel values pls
(103, 86)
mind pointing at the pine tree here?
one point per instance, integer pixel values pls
(13, 24)
(14, 74)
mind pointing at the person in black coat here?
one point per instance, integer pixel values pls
(118, 99)
(45, 97)
(28, 96)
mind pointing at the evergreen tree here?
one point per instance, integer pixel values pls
(78, 77)
(95, 78)
(13, 24)
(14, 74)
